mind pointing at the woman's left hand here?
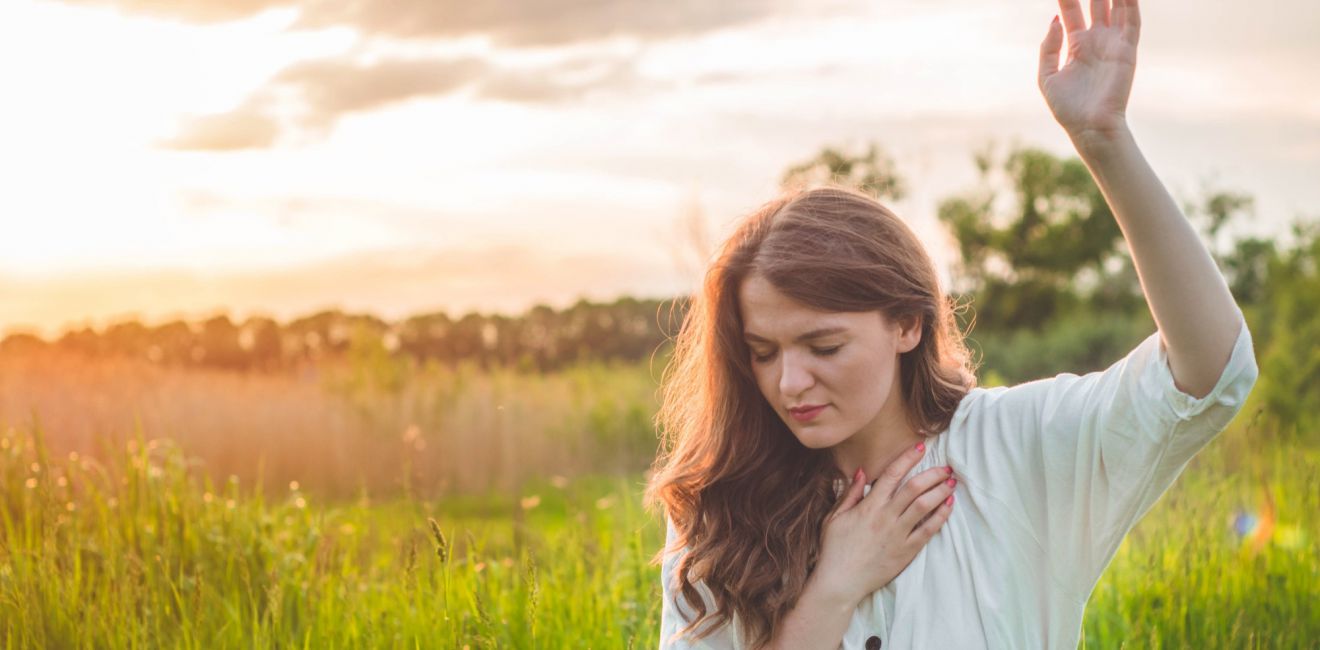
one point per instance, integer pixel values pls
(1089, 95)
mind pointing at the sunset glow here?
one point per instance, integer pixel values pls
(157, 159)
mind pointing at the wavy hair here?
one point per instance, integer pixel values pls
(747, 499)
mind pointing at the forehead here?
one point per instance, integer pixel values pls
(769, 313)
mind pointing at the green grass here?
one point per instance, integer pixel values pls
(142, 552)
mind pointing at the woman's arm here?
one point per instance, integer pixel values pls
(1188, 298)
(819, 620)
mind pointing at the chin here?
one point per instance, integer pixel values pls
(817, 438)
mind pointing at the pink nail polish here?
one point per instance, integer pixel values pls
(921, 446)
(949, 501)
(857, 476)
(951, 482)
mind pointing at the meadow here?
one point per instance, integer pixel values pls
(148, 507)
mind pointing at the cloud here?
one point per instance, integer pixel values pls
(198, 11)
(244, 128)
(506, 22)
(538, 22)
(333, 88)
(324, 91)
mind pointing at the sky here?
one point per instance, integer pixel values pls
(170, 159)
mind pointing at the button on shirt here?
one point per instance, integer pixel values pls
(1052, 474)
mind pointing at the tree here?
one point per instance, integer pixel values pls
(872, 172)
(1057, 244)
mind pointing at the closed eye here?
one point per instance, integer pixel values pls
(822, 352)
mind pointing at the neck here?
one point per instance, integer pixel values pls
(877, 444)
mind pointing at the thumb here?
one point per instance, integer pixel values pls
(854, 493)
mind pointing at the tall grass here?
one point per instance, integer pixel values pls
(385, 425)
(145, 551)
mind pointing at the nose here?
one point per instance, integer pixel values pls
(794, 375)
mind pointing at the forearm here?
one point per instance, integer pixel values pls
(819, 620)
(1188, 297)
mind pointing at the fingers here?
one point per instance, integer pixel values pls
(1073, 18)
(925, 503)
(1100, 12)
(1128, 17)
(927, 529)
(854, 493)
(1049, 52)
(918, 485)
(888, 481)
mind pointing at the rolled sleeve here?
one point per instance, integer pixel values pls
(1078, 460)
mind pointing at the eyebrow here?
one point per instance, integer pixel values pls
(813, 334)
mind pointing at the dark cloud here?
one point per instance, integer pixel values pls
(508, 22)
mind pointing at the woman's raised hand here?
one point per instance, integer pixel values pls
(868, 540)
(1089, 95)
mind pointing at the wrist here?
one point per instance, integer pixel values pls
(1101, 141)
(826, 593)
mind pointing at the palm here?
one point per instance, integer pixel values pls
(1090, 93)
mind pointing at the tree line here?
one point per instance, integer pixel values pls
(541, 339)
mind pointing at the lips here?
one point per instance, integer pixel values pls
(806, 413)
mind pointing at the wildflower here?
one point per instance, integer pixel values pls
(231, 504)
(73, 457)
(559, 481)
(207, 497)
(293, 486)
(300, 503)
(441, 545)
(70, 506)
(111, 502)
(480, 566)
(36, 468)
(62, 482)
(530, 502)
(604, 503)
(31, 483)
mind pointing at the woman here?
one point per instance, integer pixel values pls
(821, 348)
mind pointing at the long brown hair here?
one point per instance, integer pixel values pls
(746, 498)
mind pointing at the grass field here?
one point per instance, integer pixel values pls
(137, 551)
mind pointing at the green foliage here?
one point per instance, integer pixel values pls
(1079, 343)
(1288, 320)
(872, 172)
(1027, 265)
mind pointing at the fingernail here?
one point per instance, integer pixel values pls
(1056, 18)
(951, 482)
(948, 468)
(857, 476)
(921, 446)
(949, 501)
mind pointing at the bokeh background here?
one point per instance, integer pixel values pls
(342, 324)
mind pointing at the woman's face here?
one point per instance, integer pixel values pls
(844, 361)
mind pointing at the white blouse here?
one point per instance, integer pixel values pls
(1052, 474)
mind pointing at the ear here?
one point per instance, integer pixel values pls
(909, 333)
